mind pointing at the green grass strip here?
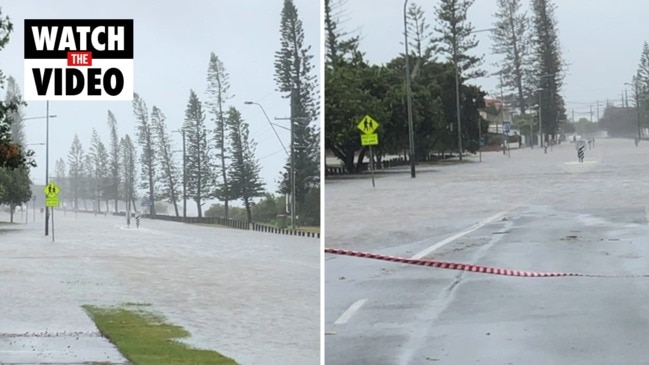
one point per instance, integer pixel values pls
(146, 339)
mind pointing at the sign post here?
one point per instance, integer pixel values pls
(368, 126)
(52, 200)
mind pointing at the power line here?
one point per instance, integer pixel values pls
(580, 103)
(272, 154)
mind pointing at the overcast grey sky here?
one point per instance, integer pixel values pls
(601, 41)
(172, 45)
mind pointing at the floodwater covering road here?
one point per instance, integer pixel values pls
(254, 297)
(533, 212)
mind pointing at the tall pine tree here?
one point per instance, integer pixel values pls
(99, 160)
(218, 85)
(421, 34)
(128, 164)
(642, 76)
(511, 40)
(169, 174)
(145, 138)
(75, 166)
(199, 176)
(456, 39)
(339, 46)
(294, 78)
(549, 65)
(114, 161)
(246, 182)
(61, 179)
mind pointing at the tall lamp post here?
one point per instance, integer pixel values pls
(47, 155)
(457, 93)
(411, 137)
(292, 168)
(272, 125)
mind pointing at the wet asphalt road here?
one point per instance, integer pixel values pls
(252, 296)
(537, 212)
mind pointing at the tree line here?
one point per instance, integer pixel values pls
(530, 64)
(103, 174)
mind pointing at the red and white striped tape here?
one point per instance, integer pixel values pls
(465, 267)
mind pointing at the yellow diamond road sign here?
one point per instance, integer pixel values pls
(369, 139)
(52, 201)
(51, 190)
(368, 125)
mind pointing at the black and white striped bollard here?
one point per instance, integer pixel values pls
(580, 153)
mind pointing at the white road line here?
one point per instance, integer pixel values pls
(476, 226)
(350, 312)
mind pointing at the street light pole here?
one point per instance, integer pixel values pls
(411, 137)
(457, 103)
(269, 122)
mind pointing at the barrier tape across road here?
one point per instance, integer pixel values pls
(467, 267)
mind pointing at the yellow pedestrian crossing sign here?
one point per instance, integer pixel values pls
(51, 190)
(367, 125)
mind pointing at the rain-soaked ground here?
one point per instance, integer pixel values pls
(251, 296)
(534, 212)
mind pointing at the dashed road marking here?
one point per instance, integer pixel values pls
(475, 227)
(350, 311)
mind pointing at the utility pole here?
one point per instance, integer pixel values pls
(591, 113)
(597, 111)
(47, 161)
(411, 137)
(502, 112)
(292, 119)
